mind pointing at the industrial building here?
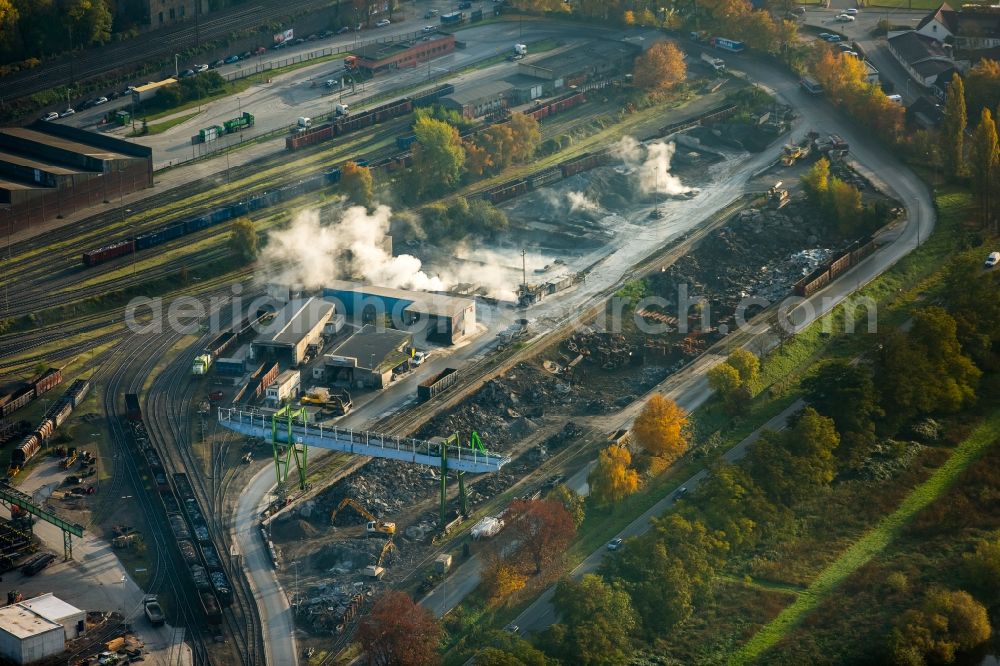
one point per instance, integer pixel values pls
(367, 358)
(38, 628)
(297, 326)
(433, 317)
(284, 389)
(49, 170)
(375, 58)
(597, 59)
(481, 99)
(51, 607)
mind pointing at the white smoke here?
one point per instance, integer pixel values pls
(652, 161)
(313, 254)
(578, 201)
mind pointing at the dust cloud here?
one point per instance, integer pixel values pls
(651, 163)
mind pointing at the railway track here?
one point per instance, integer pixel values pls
(167, 404)
(163, 43)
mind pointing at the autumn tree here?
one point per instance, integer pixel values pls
(356, 184)
(845, 204)
(660, 68)
(845, 392)
(596, 623)
(947, 623)
(953, 128)
(526, 135)
(542, 530)
(498, 142)
(478, 161)
(613, 478)
(243, 240)
(438, 155)
(984, 156)
(500, 577)
(661, 428)
(573, 502)
(398, 632)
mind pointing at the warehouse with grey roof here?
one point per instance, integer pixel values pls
(296, 327)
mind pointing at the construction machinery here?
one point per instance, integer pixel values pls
(777, 196)
(374, 526)
(386, 549)
(340, 402)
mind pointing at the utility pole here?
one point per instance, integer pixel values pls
(524, 269)
(176, 56)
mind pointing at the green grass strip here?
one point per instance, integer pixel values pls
(873, 542)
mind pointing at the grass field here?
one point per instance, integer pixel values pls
(159, 128)
(874, 541)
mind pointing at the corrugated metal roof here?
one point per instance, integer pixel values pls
(23, 623)
(51, 607)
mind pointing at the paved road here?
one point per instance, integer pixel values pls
(277, 105)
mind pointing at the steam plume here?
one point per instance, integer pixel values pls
(652, 161)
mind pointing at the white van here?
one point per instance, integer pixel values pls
(341, 109)
(305, 122)
(898, 99)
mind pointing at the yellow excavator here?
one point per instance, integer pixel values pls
(374, 526)
(339, 402)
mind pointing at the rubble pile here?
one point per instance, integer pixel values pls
(758, 254)
(347, 556)
(327, 608)
(384, 487)
(609, 350)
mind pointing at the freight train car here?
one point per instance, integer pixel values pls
(108, 252)
(46, 381)
(54, 417)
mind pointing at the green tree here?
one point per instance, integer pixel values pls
(816, 182)
(438, 155)
(503, 645)
(573, 502)
(90, 21)
(735, 506)
(973, 298)
(596, 623)
(792, 465)
(747, 365)
(845, 203)
(953, 128)
(356, 184)
(984, 155)
(243, 239)
(725, 380)
(982, 569)
(925, 371)
(982, 86)
(613, 478)
(845, 392)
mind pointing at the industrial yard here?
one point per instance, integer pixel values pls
(242, 397)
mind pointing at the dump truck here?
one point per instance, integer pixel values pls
(718, 64)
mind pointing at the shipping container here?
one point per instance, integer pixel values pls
(230, 366)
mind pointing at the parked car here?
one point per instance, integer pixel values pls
(845, 18)
(383, 23)
(279, 45)
(429, 28)
(312, 38)
(465, 5)
(681, 492)
(833, 39)
(217, 64)
(824, 36)
(51, 115)
(344, 29)
(325, 34)
(231, 59)
(68, 112)
(186, 73)
(992, 259)
(258, 51)
(852, 11)
(200, 68)
(418, 358)
(100, 100)
(86, 105)
(431, 13)
(300, 40)
(615, 543)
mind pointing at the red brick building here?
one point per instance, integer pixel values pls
(377, 58)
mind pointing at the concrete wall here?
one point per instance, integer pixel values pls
(32, 648)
